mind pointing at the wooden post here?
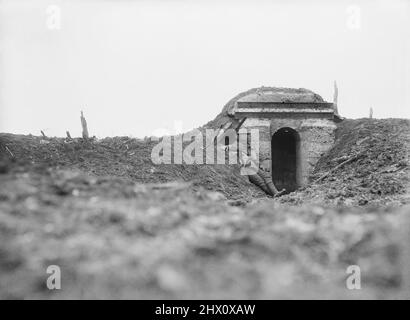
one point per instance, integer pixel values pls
(42, 133)
(84, 126)
(68, 135)
(371, 113)
(8, 150)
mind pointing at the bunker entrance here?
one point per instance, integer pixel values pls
(285, 156)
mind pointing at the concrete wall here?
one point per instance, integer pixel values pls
(316, 137)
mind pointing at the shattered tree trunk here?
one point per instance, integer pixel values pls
(84, 126)
(335, 98)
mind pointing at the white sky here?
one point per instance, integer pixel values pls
(137, 66)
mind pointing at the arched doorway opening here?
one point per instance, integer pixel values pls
(285, 159)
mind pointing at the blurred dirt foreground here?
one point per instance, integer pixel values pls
(119, 226)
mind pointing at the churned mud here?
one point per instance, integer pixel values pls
(121, 227)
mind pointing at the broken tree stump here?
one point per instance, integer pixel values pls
(68, 135)
(335, 97)
(43, 134)
(84, 126)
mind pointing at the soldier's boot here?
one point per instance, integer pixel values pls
(269, 182)
(258, 180)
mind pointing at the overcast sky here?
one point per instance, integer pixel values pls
(137, 66)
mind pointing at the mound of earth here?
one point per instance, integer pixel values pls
(119, 226)
(119, 157)
(368, 165)
(114, 238)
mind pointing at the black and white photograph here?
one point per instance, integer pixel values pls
(198, 150)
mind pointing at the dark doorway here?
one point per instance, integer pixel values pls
(285, 154)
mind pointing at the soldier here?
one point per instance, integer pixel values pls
(259, 175)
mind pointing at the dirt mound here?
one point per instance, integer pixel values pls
(113, 238)
(368, 165)
(119, 226)
(120, 157)
(370, 156)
